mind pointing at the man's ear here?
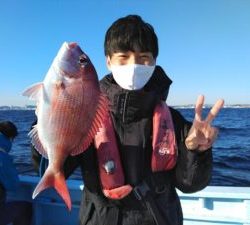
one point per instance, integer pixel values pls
(108, 62)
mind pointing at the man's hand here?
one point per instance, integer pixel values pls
(202, 135)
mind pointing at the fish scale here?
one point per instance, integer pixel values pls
(70, 112)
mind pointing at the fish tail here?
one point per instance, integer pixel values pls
(57, 181)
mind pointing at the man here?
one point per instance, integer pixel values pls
(158, 149)
(134, 88)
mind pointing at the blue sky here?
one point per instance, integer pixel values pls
(204, 45)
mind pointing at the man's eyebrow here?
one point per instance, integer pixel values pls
(121, 53)
(145, 53)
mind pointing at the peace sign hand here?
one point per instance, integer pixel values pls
(202, 135)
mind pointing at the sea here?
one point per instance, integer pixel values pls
(231, 150)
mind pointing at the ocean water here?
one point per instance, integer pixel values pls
(231, 152)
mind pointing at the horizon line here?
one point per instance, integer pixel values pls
(173, 105)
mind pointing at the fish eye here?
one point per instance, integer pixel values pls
(83, 61)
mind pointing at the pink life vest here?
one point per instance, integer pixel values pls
(163, 156)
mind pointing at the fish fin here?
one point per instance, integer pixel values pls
(100, 115)
(35, 141)
(57, 181)
(34, 91)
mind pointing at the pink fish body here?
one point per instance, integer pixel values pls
(70, 110)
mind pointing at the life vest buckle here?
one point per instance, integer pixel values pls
(141, 190)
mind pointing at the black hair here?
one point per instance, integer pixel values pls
(8, 129)
(131, 33)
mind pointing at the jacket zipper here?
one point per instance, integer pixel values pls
(124, 107)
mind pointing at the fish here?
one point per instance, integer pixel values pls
(70, 110)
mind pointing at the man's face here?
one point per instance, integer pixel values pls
(129, 57)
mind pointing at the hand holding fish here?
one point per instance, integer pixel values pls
(202, 135)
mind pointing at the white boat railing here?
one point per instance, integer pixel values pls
(215, 205)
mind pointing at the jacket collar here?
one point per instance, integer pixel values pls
(136, 104)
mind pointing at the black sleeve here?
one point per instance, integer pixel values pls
(193, 168)
(70, 164)
(86, 161)
(89, 168)
(36, 158)
(35, 155)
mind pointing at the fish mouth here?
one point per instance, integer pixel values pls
(71, 45)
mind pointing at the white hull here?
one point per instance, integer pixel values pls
(211, 206)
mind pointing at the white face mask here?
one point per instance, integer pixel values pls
(132, 76)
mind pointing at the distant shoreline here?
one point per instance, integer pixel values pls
(188, 106)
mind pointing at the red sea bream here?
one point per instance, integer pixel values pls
(70, 110)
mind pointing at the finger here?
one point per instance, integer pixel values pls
(203, 148)
(198, 107)
(212, 135)
(214, 111)
(191, 142)
(209, 140)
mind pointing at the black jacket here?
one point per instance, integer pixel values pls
(132, 118)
